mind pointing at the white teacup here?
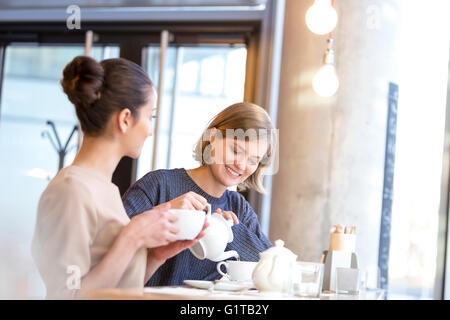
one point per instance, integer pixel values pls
(237, 270)
(190, 223)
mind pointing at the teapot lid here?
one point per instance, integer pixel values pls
(279, 250)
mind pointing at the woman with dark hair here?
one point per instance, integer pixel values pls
(83, 238)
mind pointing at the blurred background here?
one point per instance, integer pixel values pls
(204, 55)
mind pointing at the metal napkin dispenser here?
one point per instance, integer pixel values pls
(341, 254)
(336, 259)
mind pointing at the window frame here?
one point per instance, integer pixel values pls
(111, 27)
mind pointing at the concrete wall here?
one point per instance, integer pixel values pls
(332, 149)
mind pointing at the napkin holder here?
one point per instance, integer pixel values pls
(333, 259)
(340, 254)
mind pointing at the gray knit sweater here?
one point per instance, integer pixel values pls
(164, 185)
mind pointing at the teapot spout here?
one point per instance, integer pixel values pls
(227, 255)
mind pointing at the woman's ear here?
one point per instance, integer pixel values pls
(212, 137)
(124, 120)
(212, 134)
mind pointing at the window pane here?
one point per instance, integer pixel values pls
(419, 151)
(199, 82)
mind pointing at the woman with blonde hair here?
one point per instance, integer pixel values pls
(235, 150)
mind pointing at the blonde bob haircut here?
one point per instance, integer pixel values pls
(242, 116)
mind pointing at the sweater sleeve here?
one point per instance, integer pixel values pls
(146, 193)
(136, 200)
(249, 240)
(65, 228)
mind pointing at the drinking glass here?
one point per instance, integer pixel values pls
(372, 277)
(307, 279)
(371, 282)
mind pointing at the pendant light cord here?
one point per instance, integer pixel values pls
(330, 34)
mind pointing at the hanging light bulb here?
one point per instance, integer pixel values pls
(326, 82)
(321, 17)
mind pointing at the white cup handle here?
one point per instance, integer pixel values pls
(220, 271)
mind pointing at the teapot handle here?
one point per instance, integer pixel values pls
(227, 255)
(208, 213)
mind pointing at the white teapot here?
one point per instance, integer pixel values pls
(217, 236)
(273, 272)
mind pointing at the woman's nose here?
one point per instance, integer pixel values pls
(241, 164)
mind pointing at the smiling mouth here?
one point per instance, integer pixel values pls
(232, 172)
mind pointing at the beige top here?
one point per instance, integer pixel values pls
(79, 216)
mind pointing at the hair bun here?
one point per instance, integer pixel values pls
(82, 81)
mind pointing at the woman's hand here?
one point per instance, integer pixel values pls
(153, 228)
(160, 254)
(190, 200)
(228, 215)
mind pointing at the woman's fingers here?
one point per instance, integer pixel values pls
(198, 205)
(205, 225)
(172, 217)
(232, 216)
(162, 207)
(184, 244)
(197, 200)
(228, 215)
(189, 243)
(170, 236)
(190, 201)
(203, 231)
(173, 228)
(200, 235)
(187, 204)
(159, 209)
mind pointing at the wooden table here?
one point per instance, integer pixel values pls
(187, 293)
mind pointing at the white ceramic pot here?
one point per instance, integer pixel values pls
(217, 236)
(273, 272)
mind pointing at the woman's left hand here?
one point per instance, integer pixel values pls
(162, 253)
(228, 215)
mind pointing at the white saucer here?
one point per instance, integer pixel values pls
(199, 284)
(221, 285)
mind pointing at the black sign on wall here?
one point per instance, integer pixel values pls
(388, 185)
